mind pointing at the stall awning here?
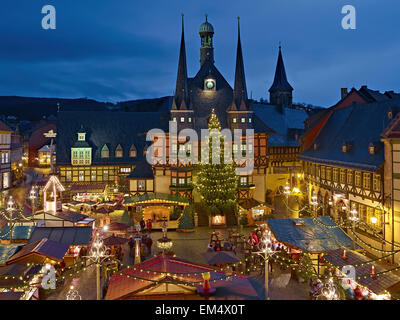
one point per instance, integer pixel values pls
(39, 251)
(315, 235)
(378, 284)
(66, 235)
(158, 198)
(6, 251)
(18, 233)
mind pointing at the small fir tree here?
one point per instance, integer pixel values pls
(186, 222)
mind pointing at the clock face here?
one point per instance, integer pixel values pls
(210, 84)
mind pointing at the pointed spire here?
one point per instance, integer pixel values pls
(181, 91)
(280, 80)
(173, 104)
(233, 106)
(183, 105)
(240, 90)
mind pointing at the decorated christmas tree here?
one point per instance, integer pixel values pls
(186, 222)
(216, 180)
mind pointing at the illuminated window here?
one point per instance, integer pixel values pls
(81, 136)
(141, 185)
(182, 119)
(357, 179)
(174, 119)
(105, 175)
(243, 120)
(118, 152)
(234, 120)
(249, 120)
(328, 173)
(342, 176)
(377, 182)
(189, 120)
(105, 152)
(132, 151)
(93, 175)
(350, 177)
(367, 181)
(81, 175)
(335, 174)
(323, 172)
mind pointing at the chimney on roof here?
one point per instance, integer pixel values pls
(343, 93)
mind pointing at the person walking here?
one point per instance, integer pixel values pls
(149, 225)
(131, 244)
(149, 243)
(142, 225)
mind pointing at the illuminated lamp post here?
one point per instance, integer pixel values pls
(314, 202)
(10, 209)
(165, 244)
(33, 196)
(266, 251)
(286, 191)
(97, 254)
(353, 217)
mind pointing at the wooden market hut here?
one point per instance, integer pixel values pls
(377, 284)
(316, 236)
(161, 284)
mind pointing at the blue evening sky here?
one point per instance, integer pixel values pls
(114, 50)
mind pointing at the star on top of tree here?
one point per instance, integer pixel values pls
(214, 123)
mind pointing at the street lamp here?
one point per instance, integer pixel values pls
(165, 244)
(98, 253)
(353, 217)
(265, 251)
(10, 209)
(286, 191)
(33, 196)
(314, 202)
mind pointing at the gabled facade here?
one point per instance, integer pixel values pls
(349, 166)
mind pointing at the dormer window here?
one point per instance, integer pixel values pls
(209, 85)
(372, 148)
(81, 136)
(132, 151)
(346, 147)
(118, 152)
(105, 152)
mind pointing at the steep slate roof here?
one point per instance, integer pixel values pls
(203, 101)
(142, 170)
(280, 80)
(285, 121)
(110, 128)
(360, 125)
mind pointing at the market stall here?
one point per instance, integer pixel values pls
(362, 278)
